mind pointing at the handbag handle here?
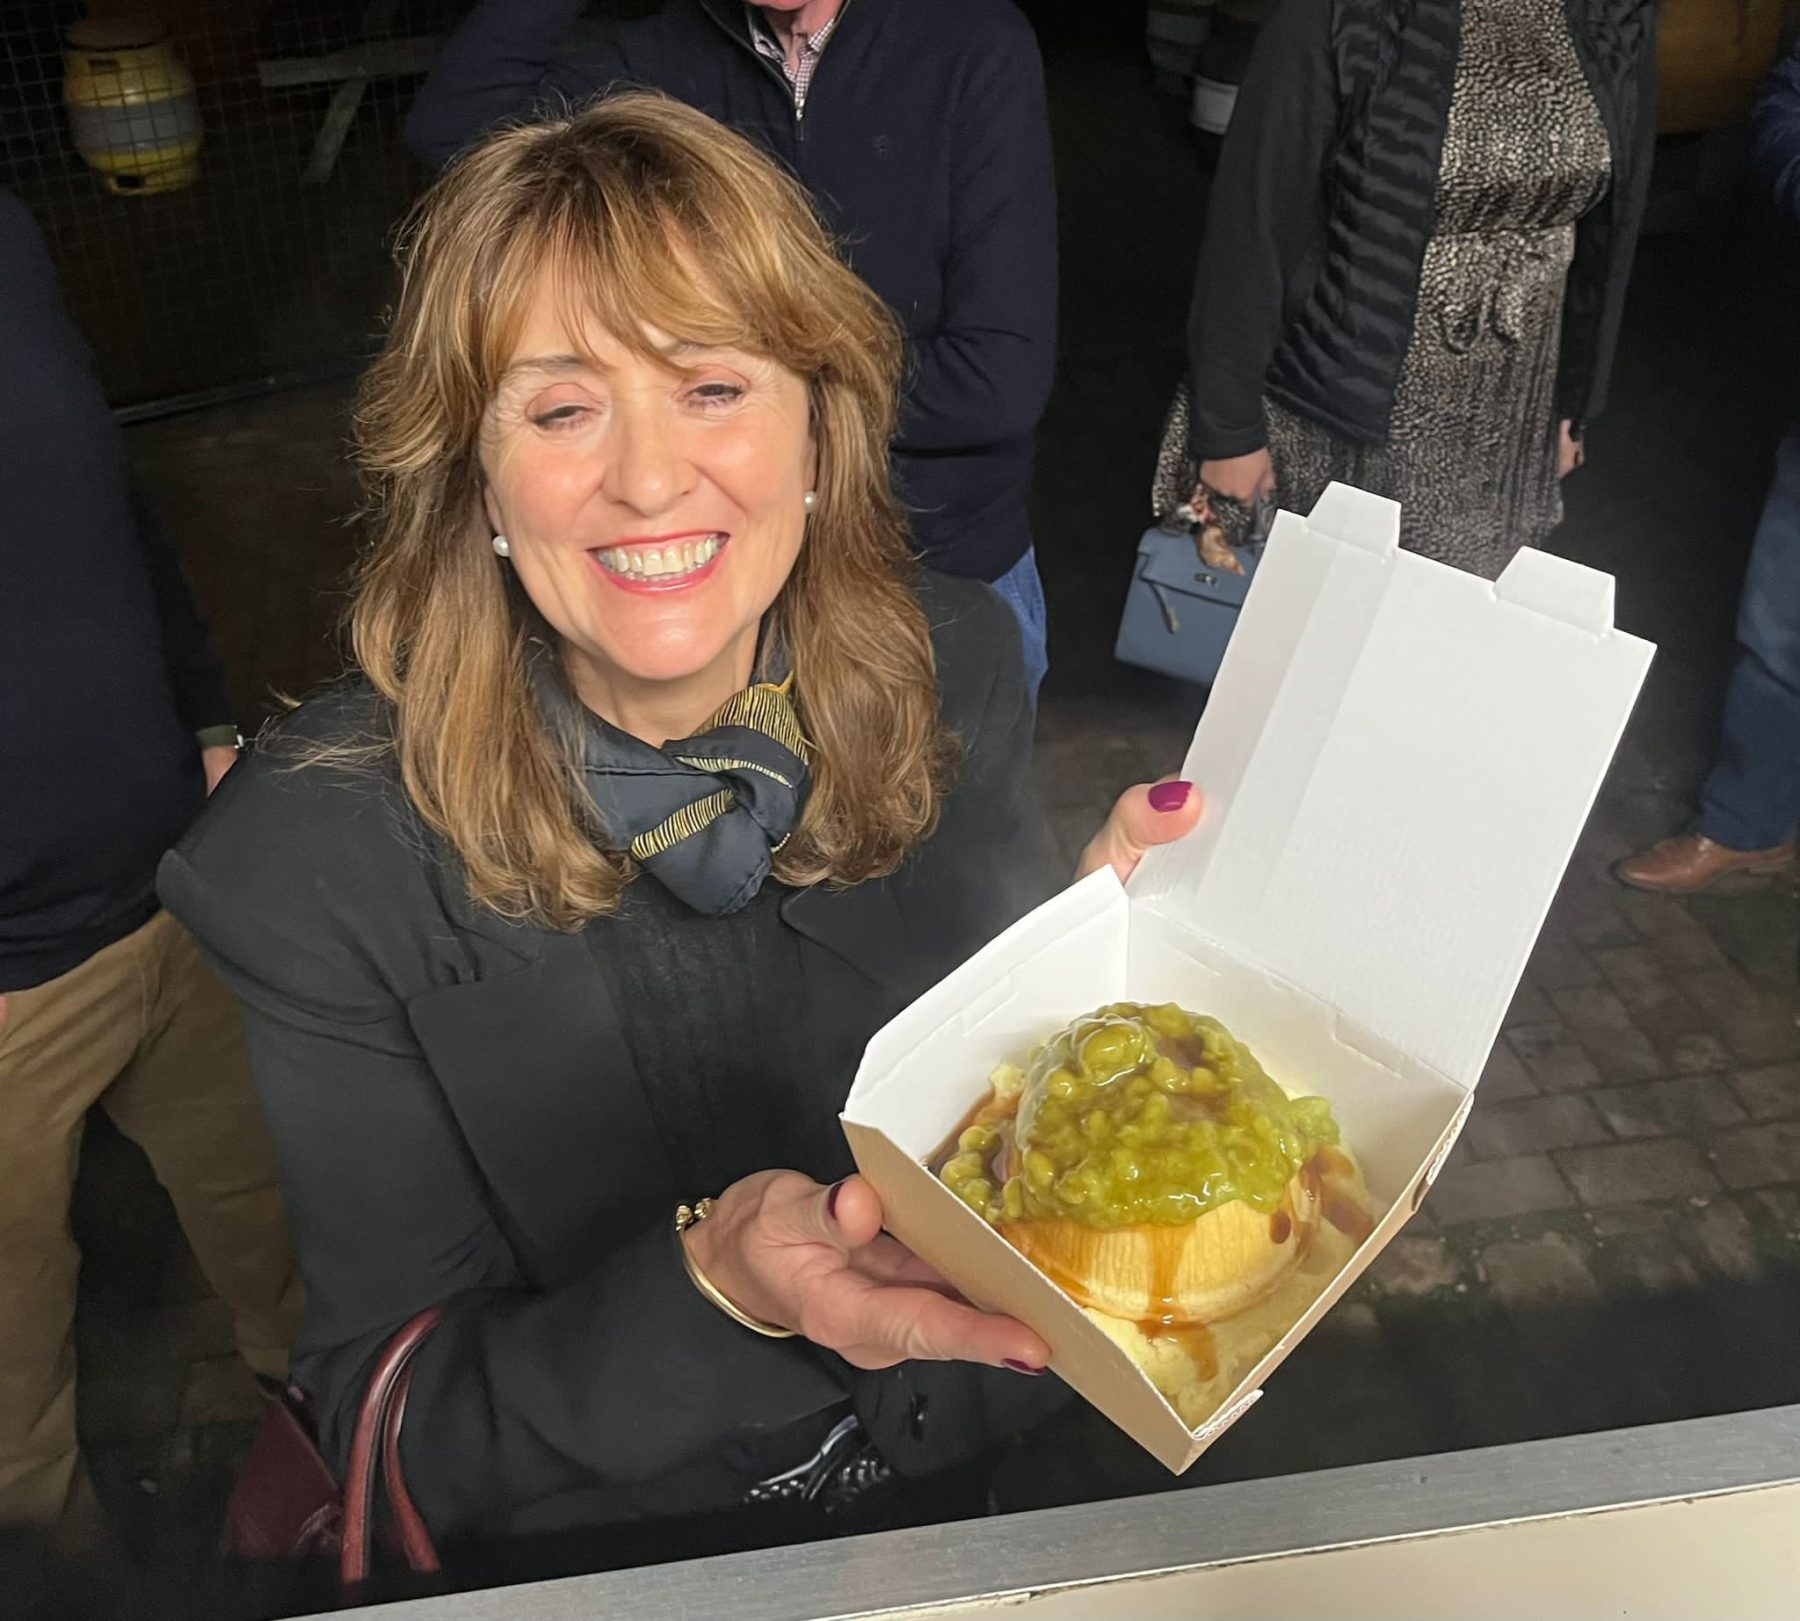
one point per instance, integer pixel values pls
(415, 1540)
(375, 1447)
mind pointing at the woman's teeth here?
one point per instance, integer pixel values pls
(660, 562)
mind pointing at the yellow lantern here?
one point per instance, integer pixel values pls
(131, 105)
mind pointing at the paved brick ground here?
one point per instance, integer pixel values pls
(1617, 1236)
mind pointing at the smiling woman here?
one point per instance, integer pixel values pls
(663, 780)
(629, 342)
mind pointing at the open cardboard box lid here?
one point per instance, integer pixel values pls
(1397, 759)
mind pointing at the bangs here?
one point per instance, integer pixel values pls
(639, 218)
(654, 275)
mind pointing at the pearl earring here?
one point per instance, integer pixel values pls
(501, 546)
(810, 500)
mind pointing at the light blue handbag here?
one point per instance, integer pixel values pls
(1180, 613)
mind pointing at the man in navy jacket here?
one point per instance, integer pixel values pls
(114, 726)
(1750, 803)
(920, 129)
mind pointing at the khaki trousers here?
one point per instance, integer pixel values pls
(146, 1031)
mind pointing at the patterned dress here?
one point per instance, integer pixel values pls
(1471, 455)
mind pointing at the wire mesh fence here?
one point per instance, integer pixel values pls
(218, 180)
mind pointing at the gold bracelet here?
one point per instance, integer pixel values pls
(687, 1216)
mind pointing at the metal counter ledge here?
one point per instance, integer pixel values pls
(1671, 1520)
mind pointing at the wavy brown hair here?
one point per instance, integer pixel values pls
(649, 214)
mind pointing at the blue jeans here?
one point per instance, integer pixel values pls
(1022, 591)
(1751, 800)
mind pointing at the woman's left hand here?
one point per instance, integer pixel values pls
(1149, 814)
(1570, 452)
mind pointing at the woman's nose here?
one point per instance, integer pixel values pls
(647, 469)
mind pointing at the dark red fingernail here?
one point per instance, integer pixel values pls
(1022, 1367)
(831, 1198)
(1170, 796)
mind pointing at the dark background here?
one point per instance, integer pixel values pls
(1617, 1240)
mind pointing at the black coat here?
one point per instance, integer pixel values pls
(458, 1121)
(1325, 202)
(926, 147)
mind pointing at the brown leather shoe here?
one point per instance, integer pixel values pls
(1691, 862)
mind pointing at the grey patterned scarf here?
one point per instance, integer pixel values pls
(703, 815)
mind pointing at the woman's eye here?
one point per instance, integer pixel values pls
(560, 416)
(716, 393)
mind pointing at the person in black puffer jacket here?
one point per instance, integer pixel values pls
(1415, 262)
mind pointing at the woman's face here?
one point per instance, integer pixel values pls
(653, 507)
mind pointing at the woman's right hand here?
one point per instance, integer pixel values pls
(1246, 479)
(814, 1259)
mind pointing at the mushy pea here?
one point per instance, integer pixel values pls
(1135, 1114)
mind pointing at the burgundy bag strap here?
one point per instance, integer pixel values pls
(415, 1540)
(375, 1447)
